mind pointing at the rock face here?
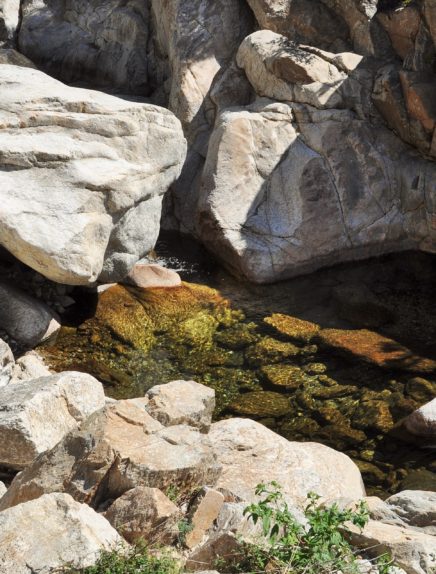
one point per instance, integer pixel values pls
(105, 44)
(37, 414)
(25, 319)
(107, 163)
(250, 453)
(46, 534)
(275, 172)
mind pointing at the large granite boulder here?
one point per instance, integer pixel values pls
(288, 189)
(102, 43)
(47, 534)
(250, 454)
(82, 176)
(310, 176)
(35, 415)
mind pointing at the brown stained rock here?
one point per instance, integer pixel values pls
(292, 327)
(151, 275)
(284, 376)
(419, 93)
(223, 547)
(202, 515)
(260, 404)
(377, 349)
(144, 514)
(402, 25)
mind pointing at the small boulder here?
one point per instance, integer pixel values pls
(411, 550)
(202, 515)
(422, 422)
(151, 275)
(29, 366)
(6, 363)
(416, 508)
(37, 414)
(46, 534)
(3, 488)
(26, 319)
(182, 403)
(144, 513)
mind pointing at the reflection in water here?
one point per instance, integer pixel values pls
(337, 357)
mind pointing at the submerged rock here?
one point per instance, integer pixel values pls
(294, 328)
(150, 275)
(260, 404)
(375, 348)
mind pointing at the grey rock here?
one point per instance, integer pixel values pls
(9, 19)
(26, 319)
(104, 44)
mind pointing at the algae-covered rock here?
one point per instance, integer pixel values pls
(375, 348)
(421, 390)
(126, 318)
(292, 327)
(261, 404)
(333, 391)
(237, 337)
(284, 376)
(373, 414)
(269, 350)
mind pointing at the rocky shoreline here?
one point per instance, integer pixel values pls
(89, 466)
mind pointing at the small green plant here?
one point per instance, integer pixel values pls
(173, 493)
(135, 560)
(384, 563)
(184, 526)
(318, 547)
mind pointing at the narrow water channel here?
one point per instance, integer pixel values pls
(338, 357)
